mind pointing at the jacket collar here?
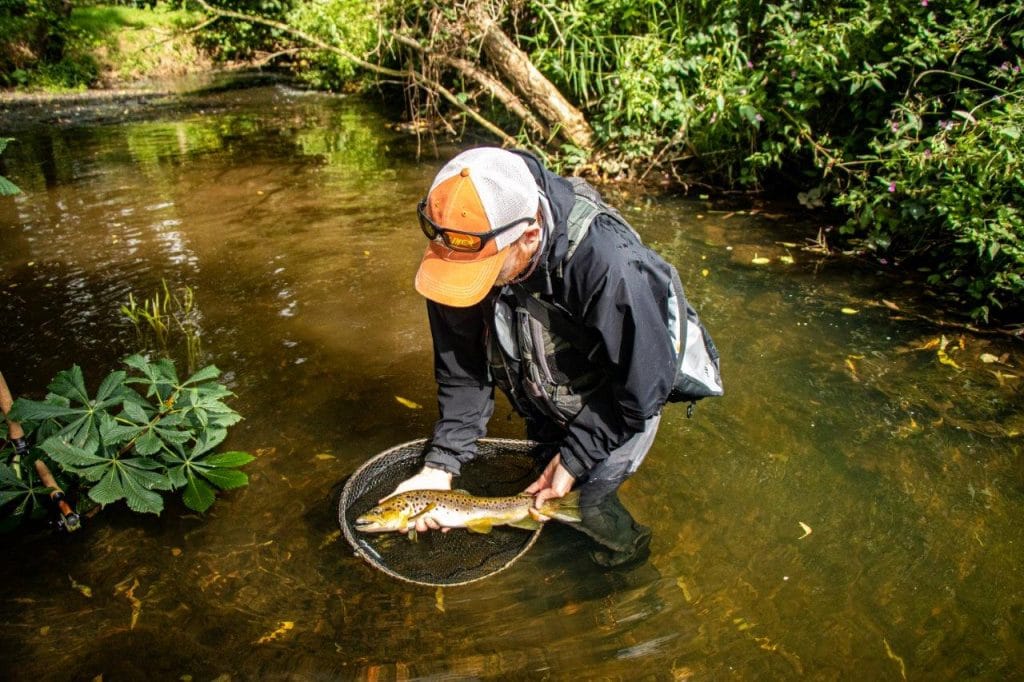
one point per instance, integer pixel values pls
(560, 197)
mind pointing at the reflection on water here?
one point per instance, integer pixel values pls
(290, 217)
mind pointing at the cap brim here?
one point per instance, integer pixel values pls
(457, 283)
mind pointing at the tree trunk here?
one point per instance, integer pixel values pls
(515, 67)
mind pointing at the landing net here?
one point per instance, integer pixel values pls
(502, 467)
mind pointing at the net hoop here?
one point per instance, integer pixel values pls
(356, 487)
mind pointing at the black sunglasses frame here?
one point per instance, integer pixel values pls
(432, 231)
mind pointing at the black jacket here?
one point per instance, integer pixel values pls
(614, 286)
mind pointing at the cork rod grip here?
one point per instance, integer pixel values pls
(14, 430)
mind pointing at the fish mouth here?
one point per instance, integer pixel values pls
(368, 525)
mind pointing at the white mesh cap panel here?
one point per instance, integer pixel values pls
(504, 184)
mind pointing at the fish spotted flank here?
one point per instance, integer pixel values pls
(459, 509)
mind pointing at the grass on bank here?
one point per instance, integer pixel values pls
(109, 45)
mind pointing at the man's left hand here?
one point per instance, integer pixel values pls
(555, 482)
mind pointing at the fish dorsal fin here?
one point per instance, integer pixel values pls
(479, 526)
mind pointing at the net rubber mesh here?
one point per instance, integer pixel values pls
(502, 467)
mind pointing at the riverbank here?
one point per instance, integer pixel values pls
(20, 110)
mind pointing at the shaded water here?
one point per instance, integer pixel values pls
(291, 216)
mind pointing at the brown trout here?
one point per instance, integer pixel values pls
(459, 509)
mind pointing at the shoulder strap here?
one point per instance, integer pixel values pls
(554, 318)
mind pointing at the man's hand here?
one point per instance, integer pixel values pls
(428, 478)
(555, 482)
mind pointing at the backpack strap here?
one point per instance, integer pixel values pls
(550, 316)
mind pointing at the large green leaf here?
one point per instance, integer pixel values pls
(198, 494)
(225, 479)
(229, 459)
(20, 498)
(205, 374)
(8, 188)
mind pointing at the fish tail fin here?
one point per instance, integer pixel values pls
(565, 509)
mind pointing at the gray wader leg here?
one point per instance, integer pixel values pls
(604, 518)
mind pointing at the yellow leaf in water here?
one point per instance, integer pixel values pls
(807, 530)
(890, 305)
(324, 455)
(852, 367)
(176, 551)
(788, 260)
(366, 253)
(988, 358)
(760, 260)
(45, 630)
(687, 595)
(330, 539)
(929, 345)
(129, 594)
(84, 589)
(849, 311)
(408, 403)
(946, 360)
(705, 272)
(439, 599)
(285, 626)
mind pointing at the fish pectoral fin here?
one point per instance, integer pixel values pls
(483, 526)
(527, 523)
(427, 509)
(413, 535)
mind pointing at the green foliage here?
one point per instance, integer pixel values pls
(131, 444)
(839, 99)
(7, 188)
(21, 496)
(349, 24)
(233, 40)
(38, 46)
(164, 315)
(949, 191)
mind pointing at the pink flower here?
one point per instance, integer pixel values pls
(924, 3)
(892, 187)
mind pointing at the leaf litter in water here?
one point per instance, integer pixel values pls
(807, 530)
(282, 629)
(408, 403)
(129, 593)
(84, 589)
(760, 260)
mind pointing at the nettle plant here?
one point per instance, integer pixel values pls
(123, 443)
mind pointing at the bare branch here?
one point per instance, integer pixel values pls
(419, 79)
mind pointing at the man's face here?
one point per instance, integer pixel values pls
(518, 258)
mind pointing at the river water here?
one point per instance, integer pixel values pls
(852, 509)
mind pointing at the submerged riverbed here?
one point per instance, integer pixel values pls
(851, 509)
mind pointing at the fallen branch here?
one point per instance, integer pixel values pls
(414, 76)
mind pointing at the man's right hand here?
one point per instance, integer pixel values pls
(428, 478)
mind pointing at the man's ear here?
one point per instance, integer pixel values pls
(531, 238)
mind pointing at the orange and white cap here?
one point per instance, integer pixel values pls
(478, 191)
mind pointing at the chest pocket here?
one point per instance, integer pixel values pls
(532, 364)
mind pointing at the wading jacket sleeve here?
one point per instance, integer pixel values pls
(465, 397)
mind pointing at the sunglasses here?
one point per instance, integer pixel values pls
(457, 240)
